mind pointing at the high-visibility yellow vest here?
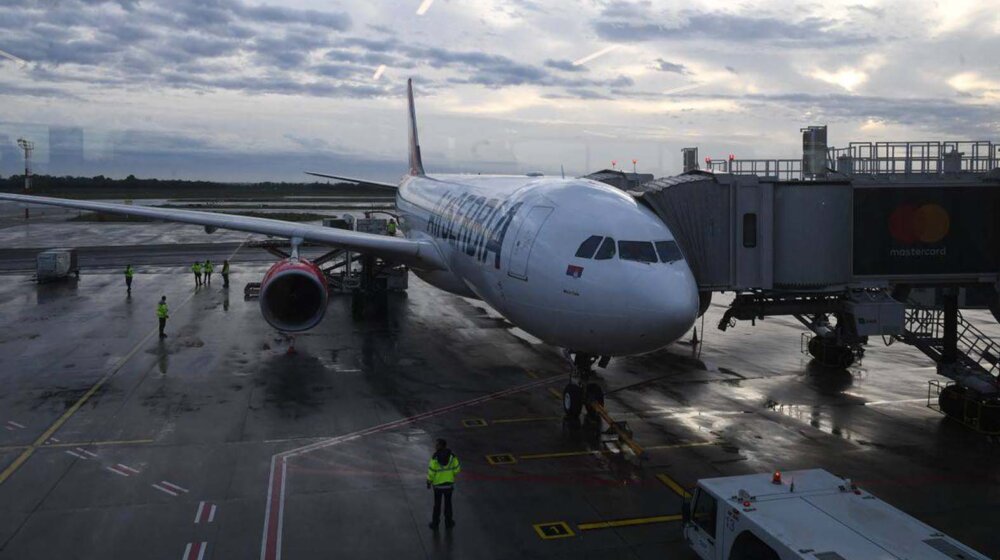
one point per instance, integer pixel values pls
(208, 266)
(161, 311)
(225, 268)
(129, 272)
(196, 268)
(439, 475)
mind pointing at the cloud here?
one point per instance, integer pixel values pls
(809, 32)
(665, 66)
(565, 65)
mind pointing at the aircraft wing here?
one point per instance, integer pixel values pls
(414, 253)
(364, 182)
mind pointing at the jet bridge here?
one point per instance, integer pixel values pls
(848, 241)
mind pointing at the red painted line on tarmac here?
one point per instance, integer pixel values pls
(195, 551)
(270, 546)
(173, 486)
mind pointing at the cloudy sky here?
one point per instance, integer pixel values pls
(243, 90)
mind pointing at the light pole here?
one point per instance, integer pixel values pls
(28, 147)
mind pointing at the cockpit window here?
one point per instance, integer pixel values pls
(607, 250)
(669, 251)
(588, 247)
(641, 251)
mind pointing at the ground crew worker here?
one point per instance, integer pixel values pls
(162, 314)
(129, 272)
(196, 268)
(392, 227)
(225, 273)
(208, 271)
(441, 473)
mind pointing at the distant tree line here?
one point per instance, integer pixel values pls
(133, 187)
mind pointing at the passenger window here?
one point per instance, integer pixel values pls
(704, 513)
(588, 247)
(669, 251)
(607, 250)
(641, 251)
(749, 230)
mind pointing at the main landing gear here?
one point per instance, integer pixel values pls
(582, 391)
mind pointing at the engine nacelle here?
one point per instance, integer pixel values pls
(293, 295)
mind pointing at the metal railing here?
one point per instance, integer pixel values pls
(878, 158)
(927, 326)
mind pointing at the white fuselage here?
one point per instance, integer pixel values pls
(513, 242)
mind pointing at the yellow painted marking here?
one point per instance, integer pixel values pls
(474, 423)
(561, 454)
(555, 393)
(673, 485)
(531, 374)
(526, 419)
(84, 444)
(40, 441)
(501, 459)
(627, 522)
(554, 530)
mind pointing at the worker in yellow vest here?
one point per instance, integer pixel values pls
(441, 473)
(392, 227)
(129, 272)
(162, 313)
(207, 267)
(196, 269)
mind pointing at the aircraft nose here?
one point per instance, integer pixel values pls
(665, 304)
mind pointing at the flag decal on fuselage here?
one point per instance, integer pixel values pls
(574, 271)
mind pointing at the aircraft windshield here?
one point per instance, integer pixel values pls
(641, 251)
(669, 251)
(588, 247)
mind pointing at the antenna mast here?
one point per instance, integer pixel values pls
(28, 147)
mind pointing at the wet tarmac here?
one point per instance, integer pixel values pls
(218, 443)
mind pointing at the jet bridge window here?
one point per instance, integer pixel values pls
(607, 250)
(749, 230)
(588, 247)
(641, 251)
(669, 251)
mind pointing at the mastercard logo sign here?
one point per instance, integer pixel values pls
(909, 223)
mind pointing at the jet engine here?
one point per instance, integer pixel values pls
(293, 295)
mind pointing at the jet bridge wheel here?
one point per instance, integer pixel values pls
(827, 352)
(572, 400)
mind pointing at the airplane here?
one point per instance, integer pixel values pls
(573, 262)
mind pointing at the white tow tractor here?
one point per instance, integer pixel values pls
(808, 514)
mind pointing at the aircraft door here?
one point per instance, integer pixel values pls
(521, 247)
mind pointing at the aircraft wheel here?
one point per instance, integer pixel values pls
(594, 394)
(572, 400)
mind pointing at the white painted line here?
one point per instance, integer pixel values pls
(424, 6)
(197, 515)
(211, 514)
(165, 490)
(15, 424)
(55, 439)
(128, 468)
(82, 450)
(9, 429)
(201, 552)
(876, 403)
(187, 552)
(118, 472)
(77, 455)
(174, 486)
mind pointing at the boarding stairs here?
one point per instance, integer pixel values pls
(973, 395)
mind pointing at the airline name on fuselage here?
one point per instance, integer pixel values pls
(474, 224)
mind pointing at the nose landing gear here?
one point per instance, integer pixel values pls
(581, 391)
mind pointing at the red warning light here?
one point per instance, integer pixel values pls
(708, 160)
(746, 503)
(634, 161)
(732, 157)
(776, 479)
